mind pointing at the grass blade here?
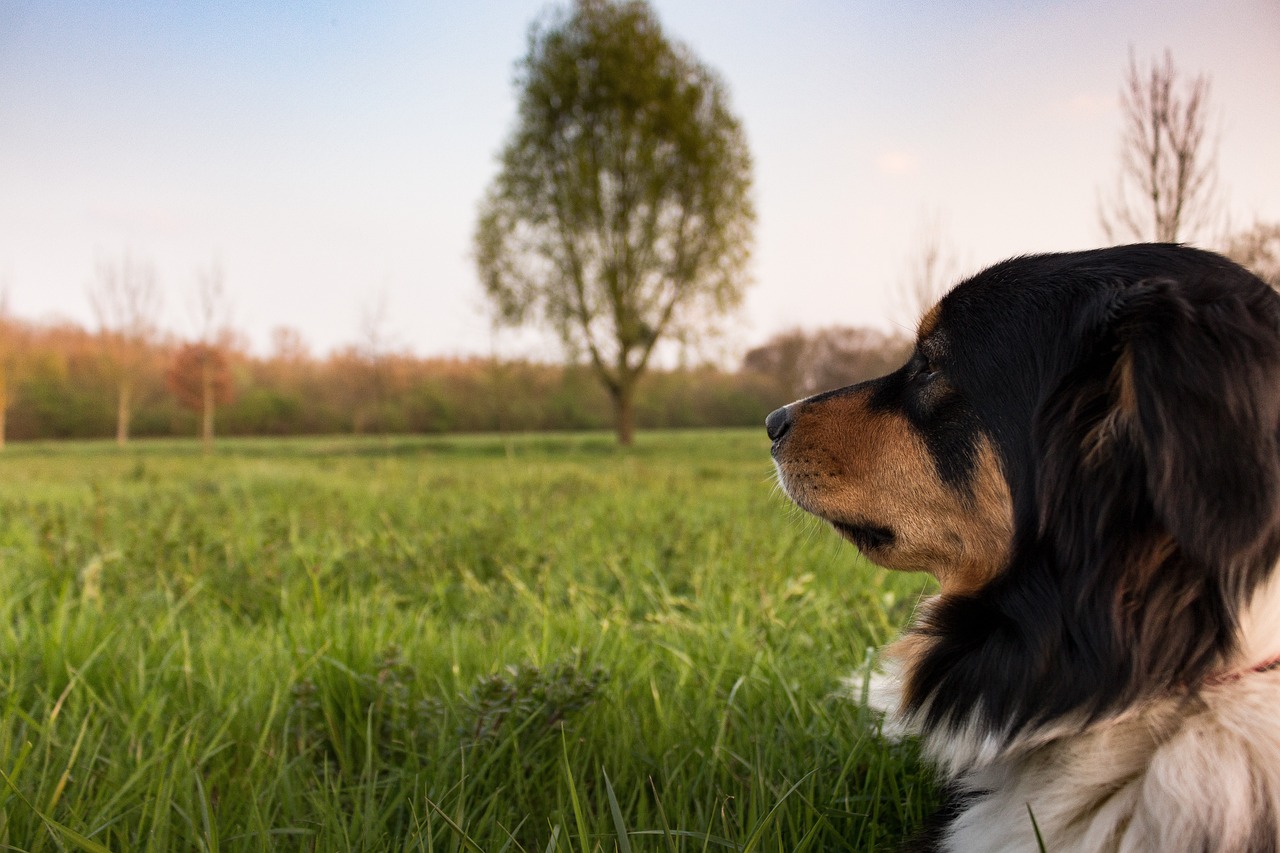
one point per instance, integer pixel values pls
(1035, 826)
(56, 829)
(619, 825)
(578, 816)
(461, 833)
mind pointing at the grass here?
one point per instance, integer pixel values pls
(539, 643)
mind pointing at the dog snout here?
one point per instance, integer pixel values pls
(778, 422)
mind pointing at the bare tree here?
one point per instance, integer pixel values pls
(211, 313)
(1167, 187)
(1258, 249)
(289, 346)
(126, 301)
(376, 343)
(932, 268)
(804, 363)
(12, 349)
(291, 356)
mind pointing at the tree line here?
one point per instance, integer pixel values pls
(63, 381)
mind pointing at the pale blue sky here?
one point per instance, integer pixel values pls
(329, 152)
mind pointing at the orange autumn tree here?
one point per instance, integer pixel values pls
(200, 377)
(14, 337)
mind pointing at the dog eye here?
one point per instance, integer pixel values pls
(925, 371)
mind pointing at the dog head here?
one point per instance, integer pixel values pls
(1084, 450)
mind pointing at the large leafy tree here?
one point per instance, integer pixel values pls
(621, 215)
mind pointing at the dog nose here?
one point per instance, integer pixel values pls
(778, 422)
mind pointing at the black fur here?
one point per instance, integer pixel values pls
(929, 838)
(1133, 398)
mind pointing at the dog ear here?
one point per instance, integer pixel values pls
(1157, 498)
(1196, 387)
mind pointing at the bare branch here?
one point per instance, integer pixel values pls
(126, 300)
(211, 311)
(1166, 190)
(1258, 249)
(931, 269)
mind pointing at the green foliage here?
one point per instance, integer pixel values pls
(481, 396)
(426, 397)
(436, 644)
(622, 214)
(528, 702)
(63, 390)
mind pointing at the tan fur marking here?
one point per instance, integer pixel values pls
(1122, 415)
(928, 322)
(903, 655)
(850, 465)
(908, 650)
(1123, 386)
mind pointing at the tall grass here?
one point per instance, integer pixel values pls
(529, 644)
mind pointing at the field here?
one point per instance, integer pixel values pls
(536, 643)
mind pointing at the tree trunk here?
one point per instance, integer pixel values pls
(206, 409)
(122, 413)
(624, 414)
(4, 404)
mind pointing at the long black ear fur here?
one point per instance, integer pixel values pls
(1199, 371)
(1159, 486)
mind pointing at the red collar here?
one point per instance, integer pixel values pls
(1236, 675)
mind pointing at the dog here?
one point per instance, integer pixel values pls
(1084, 451)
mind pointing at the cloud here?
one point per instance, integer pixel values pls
(897, 163)
(1086, 107)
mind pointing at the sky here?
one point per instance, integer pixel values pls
(329, 157)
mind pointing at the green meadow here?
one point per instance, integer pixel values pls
(536, 643)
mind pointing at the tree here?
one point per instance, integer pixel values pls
(126, 301)
(289, 349)
(200, 377)
(932, 269)
(13, 349)
(1167, 187)
(802, 363)
(1258, 248)
(621, 215)
(371, 353)
(205, 361)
